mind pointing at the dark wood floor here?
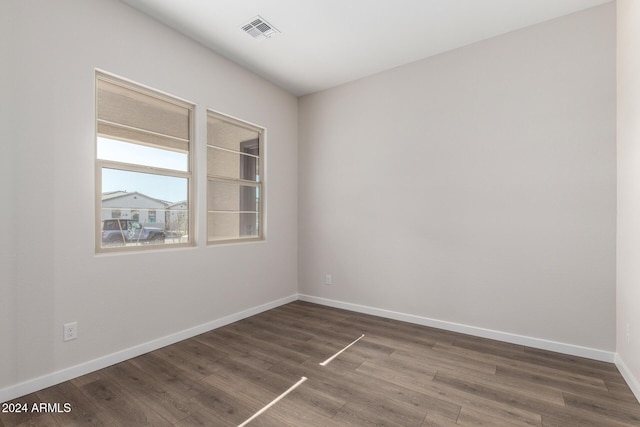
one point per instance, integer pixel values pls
(398, 374)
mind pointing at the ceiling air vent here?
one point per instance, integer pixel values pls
(259, 27)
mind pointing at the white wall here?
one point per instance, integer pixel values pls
(628, 255)
(7, 181)
(476, 187)
(56, 276)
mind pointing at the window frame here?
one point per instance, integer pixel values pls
(100, 164)
(259, 184)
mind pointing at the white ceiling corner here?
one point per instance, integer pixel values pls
(325, 43)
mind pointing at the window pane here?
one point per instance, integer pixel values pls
(143, 208)
(233, 210)
(126, 152)
(225, 196)
(225, 134)
(232, 225)
(233, 163)
(143, 139)
(226, 164)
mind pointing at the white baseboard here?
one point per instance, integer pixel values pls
(48, 380)
(574, 350)
(632, 381)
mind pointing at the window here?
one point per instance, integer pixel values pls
(235, 190)
(143, 168)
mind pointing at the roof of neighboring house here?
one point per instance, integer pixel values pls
(110, 195)
(172, 205)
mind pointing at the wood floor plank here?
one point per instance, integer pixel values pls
(350, 385)
(416, 380)
(305, 406)
(608, 407)
(508, 384)
(83, 411)
(370, 349)
(24, 416)
(397, 343)
(121, 406)
(239, 348)
(490, 408)
(251, 342)
(435, 420)
(197, 367)
(45, 420)
(542, 391)
(324, 333)
(606, 376)
(522, 400)
(209, 401)
(86, 379)
(571, 418)
(487, 346)
(394, 330)
(562, 380)
(149, 392)
(225, 404)
(436, 361)
(472, 417)
(170, 375)
(261, 385)
(621, 392)
(475, 385)
(363, 412)
(478, 403)
(567, 361)
(205, 419)
(302, 348)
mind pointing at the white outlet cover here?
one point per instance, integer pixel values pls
(70, 331)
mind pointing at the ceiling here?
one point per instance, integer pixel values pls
(324, 43)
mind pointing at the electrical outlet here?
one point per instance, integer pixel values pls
(328, 280)
(628, 333)
(70, 331)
